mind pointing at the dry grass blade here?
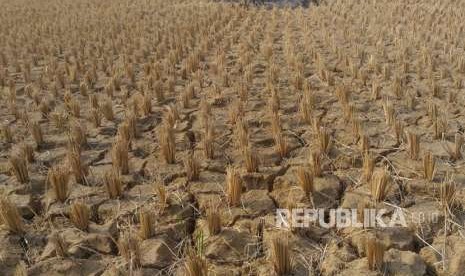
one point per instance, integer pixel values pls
(375, 254)
(78, 134)
(80, 216)
(58, 177)
(213, 221)
(281, 256)
(27, 151)
(448, 194)
(455, 152)
(147, 225)
(36, 131)
(315, 163)
(368, 167)
(18, 166)
(208, 142)
(129, 248)
(120, 155)
(192, 167)
(107, 109)
(20, 269)
(195, 264)
(167, 143)
(113, 183)
(251, 160)
(379, 185)
(429, 166)
(324, 140)
(413, 145)
(305, 178)
(281, 145)
(234, 184)
(95, 117)
(10, 218)
(7, 134)
(59, 244)
(160, 190)
(78, 168)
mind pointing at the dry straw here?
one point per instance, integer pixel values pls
(413, 145)
(167, 143)
(120, 155)
(18, 166)
(455, 152)
(234, 184)
(368, 167)
(379, 185)
(10, 218)
(58, 178)
(80, 216)
(27, 151)
(305, 179)
(113, 183)
(192, 167)
(251, 160)
(129, 249)
(36, 131)
(147, 225)
(213, 221)
(429, 166)
(78, 168)
(195, 264)
(281, 256)
(315, 163)
(324, 140)
(59, 244)
(7, 134)
(448, 194)
(375, 254)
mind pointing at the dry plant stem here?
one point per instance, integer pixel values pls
(413, 145)
(80, 216)
(60, 246)
(234, 184)
(120, 155)
(305, 178)
(78, 168)
(368, 167)
(455, 152)
(7, 134)
(129, 248)
(167, 143)
(27, 151)
(379, 185)
(192, 167)
(448, 194)
(195, 264)
(58, 177)
(375, 254)
(10, 218)
(429, 166)
(315, 163)
(21, 269)
(324, 140)
(213, 221)
(113, 184)
(18, 166)
(37, 134)
(147, 225)
(280, 255)
(162, 197)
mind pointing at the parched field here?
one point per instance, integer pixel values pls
(156, 137)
